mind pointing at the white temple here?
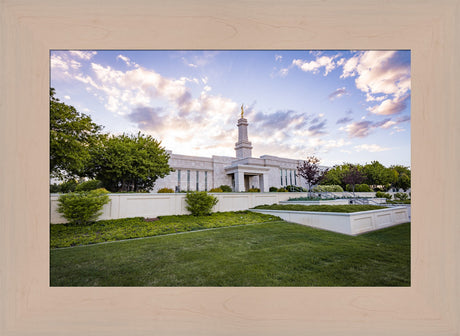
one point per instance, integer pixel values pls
(240, 173)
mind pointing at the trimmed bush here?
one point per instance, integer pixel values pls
(89, 185)
(226, 188)
(328, 188)
(273, 189)
(380, 194)
(362, 188)
(282, 190)
(293, 188)
(401, 196)
(165, 191)
(254, 190)
(216, 190)
(199, 203)
(82, 207)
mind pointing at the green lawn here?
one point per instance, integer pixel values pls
(64, 235)
(274, 253)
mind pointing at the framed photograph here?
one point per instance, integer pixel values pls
(31, 29)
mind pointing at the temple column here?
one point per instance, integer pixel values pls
(239, 181)
(263, 185)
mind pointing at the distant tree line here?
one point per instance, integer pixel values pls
(355, 177)
(374, 174)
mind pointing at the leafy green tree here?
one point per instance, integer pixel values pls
(71, 135)
(129, 162)
(377, 175)
(402, 177)
(335, 175)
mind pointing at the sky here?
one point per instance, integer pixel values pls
(342, 106)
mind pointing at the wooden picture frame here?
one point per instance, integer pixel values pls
(29, 29)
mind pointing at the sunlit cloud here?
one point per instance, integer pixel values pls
(384, 77)
(325, 62)
(370, 148)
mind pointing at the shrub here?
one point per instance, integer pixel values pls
(380, 194)
(401, 196)
(327, 188)
(254, 190)
(165, 191)
(64, 187)
(362, 188)
(216, 190)
(54, 188)
(82, 207)
(89, 185)
(282, 190)
(293, 188)
(199, 203)
(273, 189)
(226, 188)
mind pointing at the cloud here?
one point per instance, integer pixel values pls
(287, 119)
(384, 76)
(344, 120)
(359, 129)
(325, 62)
(278, 58)
(317, 129)
(147, 118)
(363, 128)
(127, 61)
(84, 55)
(63, 63)
(338, 93)
(370, 148)
(67, 97)
(284, 72)
(390, 106)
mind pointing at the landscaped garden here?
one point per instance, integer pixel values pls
(264, 252)
(321, 208)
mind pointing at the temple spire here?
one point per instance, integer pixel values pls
(243, 147)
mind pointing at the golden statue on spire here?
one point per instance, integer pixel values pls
(242, 111)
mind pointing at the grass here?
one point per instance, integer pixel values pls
(275, 253)
(321, 208)
(399, 201)
(310, 199)
(65, 235)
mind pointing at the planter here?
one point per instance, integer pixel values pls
(347, 223)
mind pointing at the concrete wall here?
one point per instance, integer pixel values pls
(153, 205)
(346, 223)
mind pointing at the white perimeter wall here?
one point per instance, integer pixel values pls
(153, 205)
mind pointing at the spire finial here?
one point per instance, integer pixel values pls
(242, 111)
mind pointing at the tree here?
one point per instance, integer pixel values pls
(311, 172)
(129, 163)
(334, 176)
(353, 177)
(71, 135)
(376, 174)
(402, 177)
